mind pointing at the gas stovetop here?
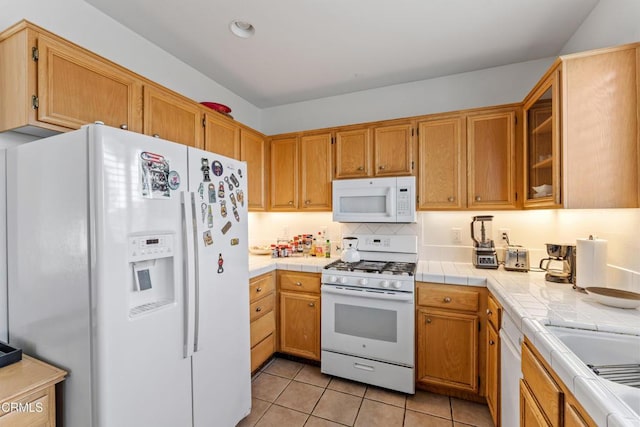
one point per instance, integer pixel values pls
(375, 267)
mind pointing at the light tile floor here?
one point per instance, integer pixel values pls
(291, 394)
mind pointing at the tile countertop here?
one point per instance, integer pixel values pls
(532, 303)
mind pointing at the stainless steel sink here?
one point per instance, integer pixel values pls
(598, 349)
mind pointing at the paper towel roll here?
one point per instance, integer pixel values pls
(591, 262)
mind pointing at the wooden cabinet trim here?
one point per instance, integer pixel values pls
(544, 389)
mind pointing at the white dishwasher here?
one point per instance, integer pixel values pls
(510, 371)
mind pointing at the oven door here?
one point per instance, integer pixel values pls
(368, 323)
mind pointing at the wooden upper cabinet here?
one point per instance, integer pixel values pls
(353, 153)
(315, 172)
(491, 139)
(392, 150)
(441, 164)
(283, 180)
(221, 136)
(53, 84)
(172, 117)
(254, 151)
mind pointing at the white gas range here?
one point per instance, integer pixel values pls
(368, 314)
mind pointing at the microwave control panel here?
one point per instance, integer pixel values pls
(405, 199)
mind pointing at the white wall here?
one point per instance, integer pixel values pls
(610, 23)
(86, 26)
(492, 86)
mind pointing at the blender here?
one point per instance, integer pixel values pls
(484, 251)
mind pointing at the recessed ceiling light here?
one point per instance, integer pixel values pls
(242, 29)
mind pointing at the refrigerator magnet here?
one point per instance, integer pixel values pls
(232, 197)
(174, 180)
(226, 179)
(208, 240)
(226, 227)
(209, 217)
(223, 208)
(204, 167)
(203, 209)
(240, 173)
(154, 175)
(220, 262)
(221, 190)
(235, 180)
(212, 193)
(235, 241)
(240, 196)
(236, 215)
(201, 190)
(217, 167)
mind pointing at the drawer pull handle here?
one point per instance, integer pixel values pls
(298, 284)
(307, 202)
(312, 304)
(290, 202)
(491, 342)
(381, 167)
(124, 126)
(155, 135)
(363, 367)
(478, 198)
(451, 199)
(428, 320)
(258, 289)
(259, 309)
(489, 312)
(447, 299)
(361, 168)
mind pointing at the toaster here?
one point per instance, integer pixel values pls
(516, 258)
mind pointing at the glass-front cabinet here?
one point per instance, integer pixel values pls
(542, 153)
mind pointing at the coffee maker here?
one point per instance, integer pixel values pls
(561, 263)
(484, 251)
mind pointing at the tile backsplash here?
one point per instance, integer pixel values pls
(531, 229)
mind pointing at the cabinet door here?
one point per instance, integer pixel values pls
(353, 154)
(530, 414)
(253, 150)
(493, 373)
(221, 136)
(441, 164)
(491, 159)
(172, 118)
(75, 88)
(315, 172)
(448, 349)
(300, 324)
(284, 174)
(392, 150)
(573, 417)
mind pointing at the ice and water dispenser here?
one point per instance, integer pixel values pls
(151, 258)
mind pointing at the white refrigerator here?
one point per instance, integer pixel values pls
(128, 267)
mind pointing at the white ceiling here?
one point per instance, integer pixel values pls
(308, 49)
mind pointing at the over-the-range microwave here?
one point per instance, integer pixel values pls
(375, 200)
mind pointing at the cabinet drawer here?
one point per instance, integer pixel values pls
(544, 389)
(493, 313)
(262, 351)
(262, 306)
(454, 299)
(300, 282)
(34, 412)
(261, 285)
(263, 327)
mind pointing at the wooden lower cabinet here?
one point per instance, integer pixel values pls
(494, 314)
(299, 314)
(544, 399)
(451, 355)
(262, 303)
(31, 384)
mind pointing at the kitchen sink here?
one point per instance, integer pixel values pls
(602, 350)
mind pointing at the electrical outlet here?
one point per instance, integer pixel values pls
(456, 235)
(324, 231)
(504, 234)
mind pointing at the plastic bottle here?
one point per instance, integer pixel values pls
(312, 251)
(327, 250)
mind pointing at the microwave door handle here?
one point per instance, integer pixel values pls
(391, 195)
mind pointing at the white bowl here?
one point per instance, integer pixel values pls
(614, 297)
(543, 190)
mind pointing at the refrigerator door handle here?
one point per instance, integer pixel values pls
(188, 232)
(196, 262)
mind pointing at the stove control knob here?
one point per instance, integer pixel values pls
(342, 280)
(332, 279)
(362, 282)
(384, 283)
(396, 284)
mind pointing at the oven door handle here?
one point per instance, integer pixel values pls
(359, 293)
